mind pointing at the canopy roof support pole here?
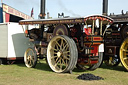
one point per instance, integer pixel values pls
(86, 24)
(93, 27)
(101, 24)
(105, 29)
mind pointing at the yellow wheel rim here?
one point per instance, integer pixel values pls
(124, 53)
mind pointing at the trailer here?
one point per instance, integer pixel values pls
(12, 43)
(67, 43)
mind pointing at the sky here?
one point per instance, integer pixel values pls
(72, 8)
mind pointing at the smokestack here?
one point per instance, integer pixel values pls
(42, 9)
(42, 16)
(105, 7)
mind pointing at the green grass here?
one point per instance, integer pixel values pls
(19, 74)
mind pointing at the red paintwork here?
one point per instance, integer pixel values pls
(26, 31)
(93, 62)
(88, 31)
(7, 17)
(95, 50)
(73, 31)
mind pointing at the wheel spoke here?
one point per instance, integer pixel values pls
(31, 62)
(65, 47)
(61, 64)
(68, 55)
(56, 52)
(64, 62)
(65, 57)
(57, 62)
(58, 44)
(57, 47)
(53, 57)
(126, 41)
(54, 49)
(124, 50)
(126, 58)
(66, 52)
(27, 58)
(57, 59)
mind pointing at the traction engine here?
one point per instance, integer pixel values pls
(67, 43)
(116, 47)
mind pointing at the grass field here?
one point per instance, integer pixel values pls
(19, 74)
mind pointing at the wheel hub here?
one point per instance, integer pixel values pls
(29, 57)
(59, 54)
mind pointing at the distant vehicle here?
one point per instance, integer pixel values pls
(12, 43)
(116, 42)
(11, 38)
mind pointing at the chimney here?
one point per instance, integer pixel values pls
(42, 9)
(42, 16)
(105, 7)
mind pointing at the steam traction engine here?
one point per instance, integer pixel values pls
(116, 42)
(67, 42)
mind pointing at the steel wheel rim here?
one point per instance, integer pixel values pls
(124, 53)
(59, 54)
(29, 57)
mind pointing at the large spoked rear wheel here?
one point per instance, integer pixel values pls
(62, 54)
(30, 58)
(124, 53)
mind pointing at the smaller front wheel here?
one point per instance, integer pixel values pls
(30, 58)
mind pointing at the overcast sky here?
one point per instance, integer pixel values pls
(73, 8)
